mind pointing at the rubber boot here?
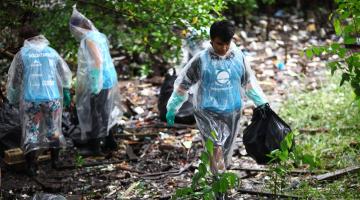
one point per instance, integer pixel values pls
(93, 148)
(31, 162)
(55, 158)
(110, 143)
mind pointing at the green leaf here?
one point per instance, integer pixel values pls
(232, 178)
(337, 27)
(213, 135)
(335, 46)
(345, 77)
(309, 53)
(204, 158)
(209, 195)
(317, 51)
(333, 66)
(209, 147)
(183, 192)
(202, 169)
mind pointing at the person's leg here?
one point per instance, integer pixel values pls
(31, 136)
(52, 111)
(208, 122)
(93, 146)
(109, 142)
(233, 122)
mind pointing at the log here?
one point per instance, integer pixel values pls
(337, 173)
(268, 194)
(296, 171)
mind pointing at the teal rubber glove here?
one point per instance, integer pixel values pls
(253, 95)
(173, 104)
(95, 76)
(67, 97)
(170, 117)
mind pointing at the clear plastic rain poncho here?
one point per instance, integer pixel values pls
(36, 79)
(219, 83)
(97, 94)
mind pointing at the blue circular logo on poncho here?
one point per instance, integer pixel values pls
(223, 77)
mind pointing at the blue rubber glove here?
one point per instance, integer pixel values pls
(173, 104)
(94, 79)
(254, 96)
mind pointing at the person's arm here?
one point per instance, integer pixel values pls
(95, 53)
(66, 78)
(95, 68)
(64, 72)
(251, 86)
(15, 79)
(189, 76)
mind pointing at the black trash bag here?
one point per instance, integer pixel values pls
(10, 127)
(185, 115)
(45, 196)
(264, 134)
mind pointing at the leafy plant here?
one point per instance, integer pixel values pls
(346, 22)
(79, 160)
(283, 161)
(205, 184)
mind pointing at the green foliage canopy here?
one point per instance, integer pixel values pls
(133, 27)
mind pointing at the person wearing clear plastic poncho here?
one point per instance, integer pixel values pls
(38, 82)
(219, 76)
(97, 94)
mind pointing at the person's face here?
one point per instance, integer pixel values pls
(220, 47)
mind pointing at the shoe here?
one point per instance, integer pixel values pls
(110, 143)
(92, 148)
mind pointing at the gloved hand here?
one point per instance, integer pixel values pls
(94, 79)
(255, 97)
(173, 105)
(170, 117)
(67, 97)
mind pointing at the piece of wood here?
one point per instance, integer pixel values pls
(159, 175)
(337, 173)
(295, 171)
(130, 153)
(313, 130)
(268, 194)
(325, 130)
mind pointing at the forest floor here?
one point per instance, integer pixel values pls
(154, 160)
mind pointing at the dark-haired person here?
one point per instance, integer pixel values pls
(38, 82)
(96, 87)
(220, 76)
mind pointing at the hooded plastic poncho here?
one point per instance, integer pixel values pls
(36, 79)
(95, 73)
(219, 85)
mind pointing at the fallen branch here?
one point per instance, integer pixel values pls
(313, 130)
(325, 130)
(116, 163)
(159, 175)
(296, 171)
(164, 125)
(268, 194)
(7, 53)
(337, 173)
